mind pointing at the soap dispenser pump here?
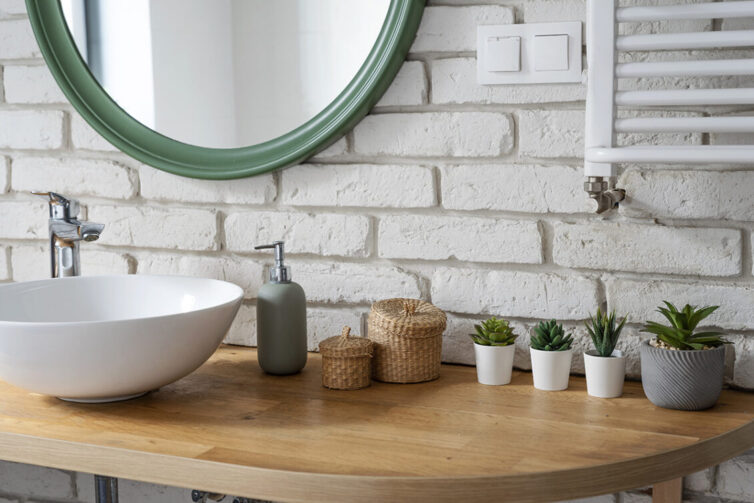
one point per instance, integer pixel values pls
(281, 319)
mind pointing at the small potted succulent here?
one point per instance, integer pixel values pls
(682, 368)
(604, 365)
(494, 350)
(551, 356)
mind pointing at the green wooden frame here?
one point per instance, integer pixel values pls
(150, 147)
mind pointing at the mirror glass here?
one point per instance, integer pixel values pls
(224, 73)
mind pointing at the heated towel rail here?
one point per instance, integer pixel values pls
(604, 43)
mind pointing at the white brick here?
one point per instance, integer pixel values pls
(635, 497)
(320, 234)
(549, 11)
(246, 273)
(74, 177)
(605, 498)
(243, 331)
(35, 481)
(358, 185)
(648, 248)
(161, 185)
(517, 294)
(4, 271)
(354, 283)
(324, 323)
(31, 84)
(12, 7)
(24, 219)
(535, 189)
(735, 478)
(175, 228)
(17, 40)
(86, 138)
(408, 88)
(469, 239)
(551, 133)
(472, 134)
(454, 28)
(454, 81)
(700, 481)
(743, 370)
(337, 149)
(4, 174)
(32, 262)
(689, 194)
(638, 299)
(31, 129)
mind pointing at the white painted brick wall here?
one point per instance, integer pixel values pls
(173, 228)
(648, 248)
(464, 195)
(461, 238)
(74, 177)
(320, 234)
(473, 134)
(30, 84)
(31, 129)
(359, 185)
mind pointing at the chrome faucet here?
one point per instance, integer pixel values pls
(66, 232)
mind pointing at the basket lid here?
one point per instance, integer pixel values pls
(409, 317)
(344, 345)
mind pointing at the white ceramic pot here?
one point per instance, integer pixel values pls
(551, 369)
(494, 364)
(605, 375)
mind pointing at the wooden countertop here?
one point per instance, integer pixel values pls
(231, 429)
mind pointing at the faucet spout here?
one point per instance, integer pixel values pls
(66, 232)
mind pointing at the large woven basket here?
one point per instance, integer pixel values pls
(407, 334)
(346, 361)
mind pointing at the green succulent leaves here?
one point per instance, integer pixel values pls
(680, 333)
(493, 332)
(604, 333)
(549, 336)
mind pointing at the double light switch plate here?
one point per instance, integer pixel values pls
(529, 53)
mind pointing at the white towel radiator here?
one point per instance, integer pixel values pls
(603, 97)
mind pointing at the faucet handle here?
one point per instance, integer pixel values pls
(60, 206)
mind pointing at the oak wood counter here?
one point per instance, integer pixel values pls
(229, 428)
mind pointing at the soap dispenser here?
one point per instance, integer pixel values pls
(281, 319)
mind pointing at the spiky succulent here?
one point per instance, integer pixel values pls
(549, 336)
(493, 332)
(680, 333)
(604, 333)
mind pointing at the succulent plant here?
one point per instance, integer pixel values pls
(549, 336)
(493, 332)
(604, 333)
(680, 333)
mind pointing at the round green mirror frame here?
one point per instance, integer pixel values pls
(148, 146)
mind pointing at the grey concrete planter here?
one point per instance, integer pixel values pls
(683, 380)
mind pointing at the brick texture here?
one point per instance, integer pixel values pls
(464, 195)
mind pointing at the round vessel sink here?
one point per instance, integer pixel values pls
(109, 338)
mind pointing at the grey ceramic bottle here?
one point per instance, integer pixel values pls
(281, 319)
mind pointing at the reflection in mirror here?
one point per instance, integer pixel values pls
(224, 73)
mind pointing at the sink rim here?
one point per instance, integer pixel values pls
(6, 286)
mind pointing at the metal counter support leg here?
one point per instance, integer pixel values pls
(669, 491)
(106, 489)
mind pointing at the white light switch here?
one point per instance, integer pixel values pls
(534, 53)
(503, 54)
(550, 52)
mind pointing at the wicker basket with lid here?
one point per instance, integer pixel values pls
(346, 361)
(408, 340)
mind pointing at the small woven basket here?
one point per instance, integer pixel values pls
(407, 334)
(346, 361)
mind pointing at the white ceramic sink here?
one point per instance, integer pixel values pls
(108, 338)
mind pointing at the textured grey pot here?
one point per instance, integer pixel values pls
(683, 380)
